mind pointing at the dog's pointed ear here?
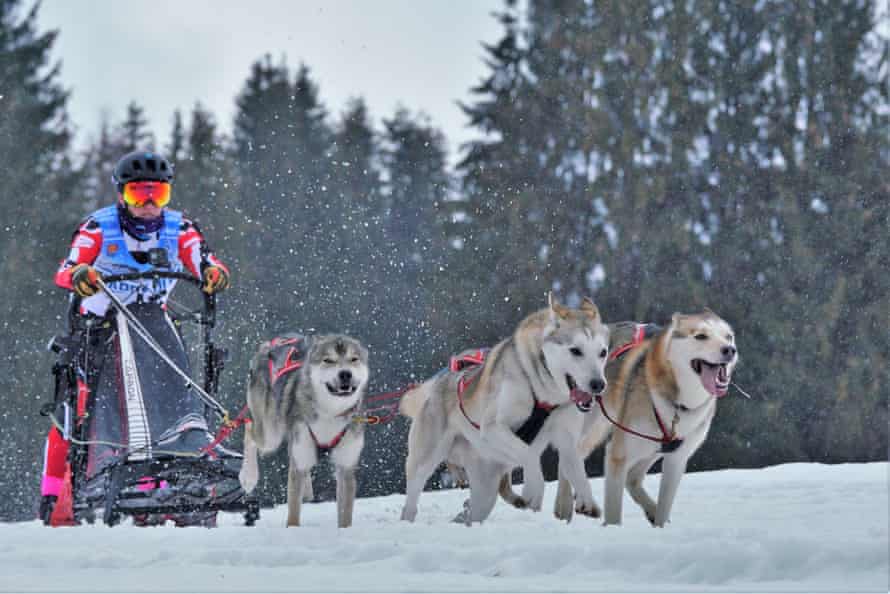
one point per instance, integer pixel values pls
(589, 308)
(557, 311)
(675, 323)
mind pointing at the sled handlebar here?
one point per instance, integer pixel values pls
(209, 319)
(154, 274)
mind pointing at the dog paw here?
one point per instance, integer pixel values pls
(650, 514)
(533, 504)
(462, 518)
(563, 512)
(591, 510)
(248, 477)
(532, 498)
(518, 503)
(408, 515)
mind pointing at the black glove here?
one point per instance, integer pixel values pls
(85, 280)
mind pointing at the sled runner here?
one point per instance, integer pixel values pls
(144, 438)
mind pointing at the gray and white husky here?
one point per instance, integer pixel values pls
(312, 406)
(533, 390)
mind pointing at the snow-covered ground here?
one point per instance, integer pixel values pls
(794, 527)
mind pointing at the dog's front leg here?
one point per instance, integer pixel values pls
(635, 477)
(345, 457)
(563, 506)
(672, 469)
(249, 474)
(346, 487)
(303, 457)
(572, 466)
(296, 480)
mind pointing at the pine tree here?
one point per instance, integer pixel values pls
(204, 180)
(288, 211)
(836, 140)
(352, 252)
(651, 153)
(177, 138)
(495, 270)
(133, 131)
(282, 151)
(39, 213)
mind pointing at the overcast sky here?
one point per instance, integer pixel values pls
(169, 54)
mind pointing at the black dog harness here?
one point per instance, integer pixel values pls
(471, 364)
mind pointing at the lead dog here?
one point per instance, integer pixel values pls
(666, 387)
(530, 392)
(306, 390)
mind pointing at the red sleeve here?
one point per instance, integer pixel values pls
(85, 248)
(190, 248)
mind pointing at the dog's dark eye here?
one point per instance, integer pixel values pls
(701, 337)
(603, 353)
(353, 359)
(576, 351)
(328, 361)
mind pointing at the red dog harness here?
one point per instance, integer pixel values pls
(668, 440)
(292, 359)
(472, 362)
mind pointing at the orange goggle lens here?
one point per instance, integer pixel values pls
(140, 193)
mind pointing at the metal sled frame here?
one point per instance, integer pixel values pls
(177, 484)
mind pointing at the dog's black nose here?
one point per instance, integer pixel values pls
(597, 385)
(728, 351)
(345, 376)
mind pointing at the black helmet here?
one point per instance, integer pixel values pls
(141, 166)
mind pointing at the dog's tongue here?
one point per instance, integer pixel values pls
(709, 375)
(581, 397)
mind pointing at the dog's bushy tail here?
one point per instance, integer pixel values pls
(412, 401)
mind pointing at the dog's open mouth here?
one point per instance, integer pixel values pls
(714, 376)
(583, 400)
(341, 390)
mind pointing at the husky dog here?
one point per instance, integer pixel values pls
(310, 400)
(532, 390)
(666, 389)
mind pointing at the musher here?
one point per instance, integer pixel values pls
(136, 234)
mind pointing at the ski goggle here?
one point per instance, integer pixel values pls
(140, 193)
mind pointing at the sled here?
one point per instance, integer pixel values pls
(145, 440)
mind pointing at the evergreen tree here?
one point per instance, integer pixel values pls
(204, 182)
(354, 251)
(177, 138)
(282, 151)
(653, 154)
(288, 210)
(39, 213)
(831, 116)
(495, 270)
(133, 132)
